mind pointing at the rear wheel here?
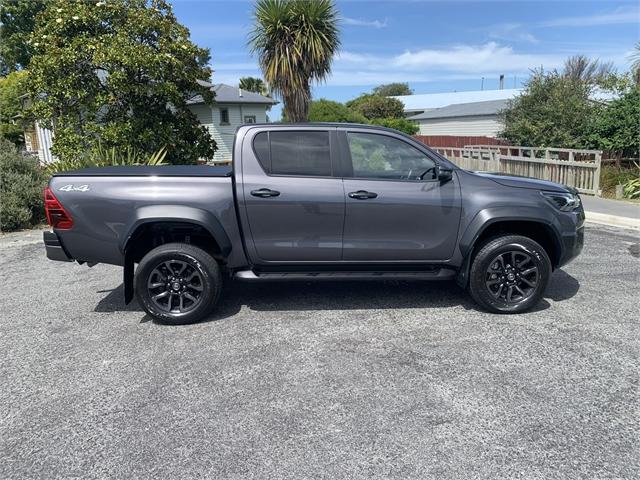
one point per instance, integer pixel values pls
(178, 283)
(509, 274)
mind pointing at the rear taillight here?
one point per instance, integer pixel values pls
(57, 216)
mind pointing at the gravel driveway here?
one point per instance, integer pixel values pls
(326, 380)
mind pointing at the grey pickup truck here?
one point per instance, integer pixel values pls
(314, 202)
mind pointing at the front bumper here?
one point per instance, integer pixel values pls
(55, 250)
(572, 242)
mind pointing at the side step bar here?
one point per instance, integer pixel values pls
(436, 274)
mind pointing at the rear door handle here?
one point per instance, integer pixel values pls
(362, 195)
(265, 193)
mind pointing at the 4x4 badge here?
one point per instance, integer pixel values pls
(74, 188)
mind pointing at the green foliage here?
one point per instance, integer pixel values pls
(617, 126)
(393, 89)
(329, 111)
(612, 175)
(295, 41)
(11, 87)
(17, 20)
(21, 184)
(118, 72)
(104, 157)
(632, 189)
(253, 84)
(554, 110)
(375, 106)
(401, 124)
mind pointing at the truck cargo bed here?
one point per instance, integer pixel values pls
(149, 171)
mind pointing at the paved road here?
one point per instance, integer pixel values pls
(337, 380)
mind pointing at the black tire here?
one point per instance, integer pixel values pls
(503, 289)
(180, 272)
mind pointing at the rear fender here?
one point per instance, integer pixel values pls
(168, 213)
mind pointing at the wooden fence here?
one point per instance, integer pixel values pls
(575, 168)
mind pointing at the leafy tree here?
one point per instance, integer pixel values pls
(617, 127)
(402, 124)
(295, 41)
(119, 72)
(329, 111)
(253, 84)
(393, 89)
(554, 110)
(11, 87)
(375, 106)
(17, 20)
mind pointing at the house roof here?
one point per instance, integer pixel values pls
(228, 94)
(428, 101)
(491, 107)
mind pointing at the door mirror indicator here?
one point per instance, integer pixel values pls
(445, 174)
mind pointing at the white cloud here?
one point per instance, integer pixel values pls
(622, 15)
(358, 22)
(512, 32)
(478, 59)
(458, 62)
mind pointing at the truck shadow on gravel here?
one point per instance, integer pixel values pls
(342, 295)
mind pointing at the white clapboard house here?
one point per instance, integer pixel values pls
(232, 107)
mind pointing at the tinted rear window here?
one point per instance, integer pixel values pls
(261, 147)
(294, 153)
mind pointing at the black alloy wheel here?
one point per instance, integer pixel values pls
(509, 274)
(175, 286)
(178, 283)
(512, 276)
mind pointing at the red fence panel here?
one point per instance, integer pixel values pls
(453, 141)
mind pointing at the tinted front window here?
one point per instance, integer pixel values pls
(380, 156)
(300, 153)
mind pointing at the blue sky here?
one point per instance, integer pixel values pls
(436, 46)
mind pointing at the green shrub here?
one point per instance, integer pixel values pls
(402, 124)
(104, 157)
(329, 111)
(611, 175)
(632, 188)
(21, 184)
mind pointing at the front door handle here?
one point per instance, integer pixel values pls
(265, 193)
(362, 195)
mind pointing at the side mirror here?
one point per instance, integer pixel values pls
(444, 174)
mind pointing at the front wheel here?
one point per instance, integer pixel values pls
(178, 283)
(509, 274)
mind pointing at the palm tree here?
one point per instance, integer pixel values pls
(587, 70)
(295, 41)
(253, 84)
(635, 63)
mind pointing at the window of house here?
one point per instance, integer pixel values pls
(224, 116)
(249, 119)
(383, 157)
(294, 153)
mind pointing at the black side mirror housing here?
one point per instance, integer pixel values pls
(444, 174)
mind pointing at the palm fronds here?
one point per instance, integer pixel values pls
(295, 41)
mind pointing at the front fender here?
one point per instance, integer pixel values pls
(489, 216)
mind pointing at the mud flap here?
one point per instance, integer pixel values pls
(127, 279)
(462, 278)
